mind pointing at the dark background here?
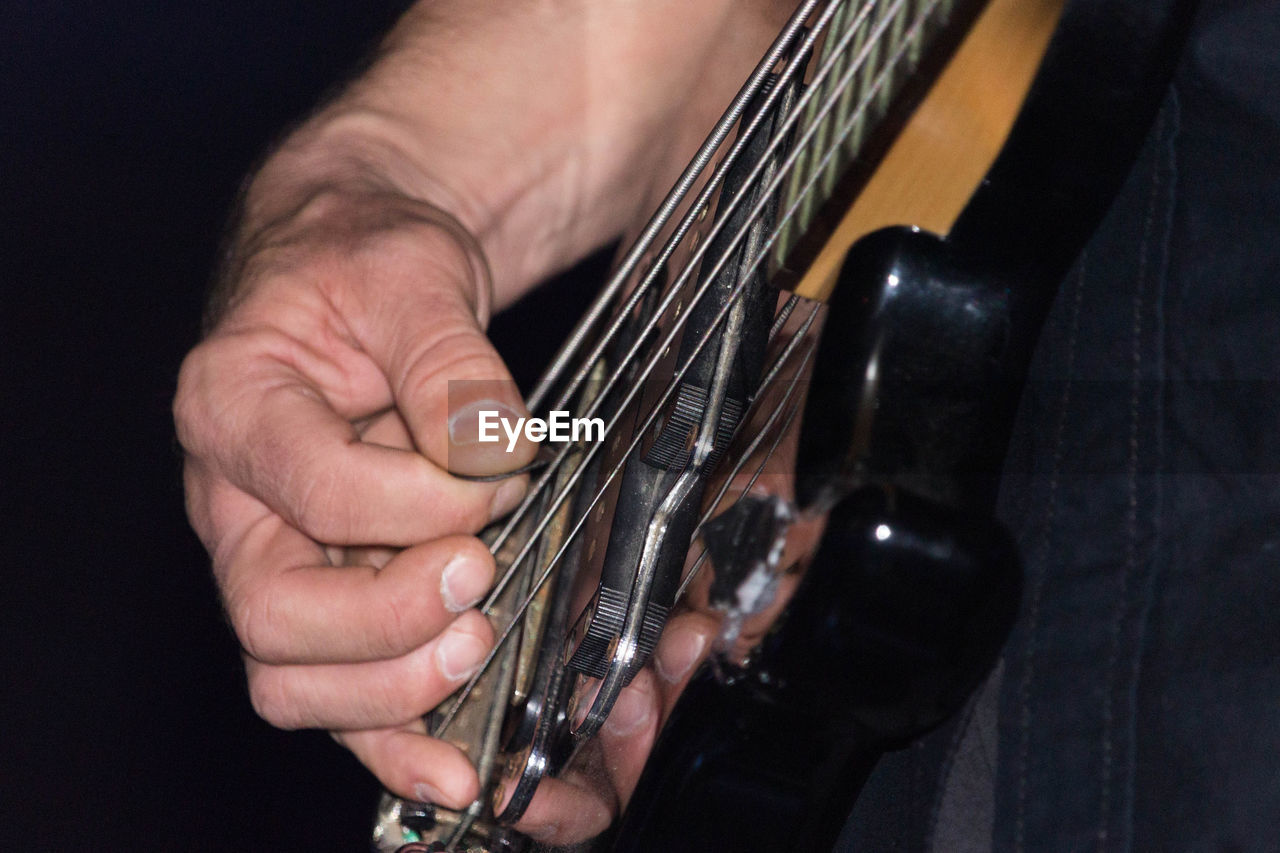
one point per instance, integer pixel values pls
(125, 130)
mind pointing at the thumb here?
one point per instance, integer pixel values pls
(444, 373)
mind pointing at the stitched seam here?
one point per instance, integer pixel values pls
(1131, 512)
(1040, 570)
(1157, 513)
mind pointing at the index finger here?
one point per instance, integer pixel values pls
(275, 436)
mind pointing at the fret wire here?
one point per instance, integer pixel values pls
(734, 294)
(839, 57)
(872, 69)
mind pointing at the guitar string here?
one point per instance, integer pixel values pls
(678, 285)
(510, 573)
(784, 314)
(627, 643)
(638, 293)
(654, 269)
(912, 41)
(675, 289)
(792, 411)
(518, 615)
(723, 312)
(755, 443)
(734, 294)
(674, 197)
(655, 266)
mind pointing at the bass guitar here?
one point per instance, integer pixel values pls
(913, 177)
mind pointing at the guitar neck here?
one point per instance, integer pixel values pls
(918, 125)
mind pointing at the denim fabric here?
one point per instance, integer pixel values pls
(1137, 704)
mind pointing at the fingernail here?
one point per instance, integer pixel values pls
(463, 582)
(678, 651)
(425, 793)
(464, 424)
(458, 655)
(633, 709)
(507, 497)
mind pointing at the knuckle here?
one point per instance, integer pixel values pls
(213, 389)
(254, 622)
(326, 204)
(457, 351)
(268, 695)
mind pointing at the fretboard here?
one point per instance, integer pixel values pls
(871, 51)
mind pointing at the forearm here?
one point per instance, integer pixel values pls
(545, 129)
(435, 120)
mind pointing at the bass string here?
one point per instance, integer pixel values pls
(792, 410)
(676, 288)
(650, 276)
(765, 430)
(763, 253)
(776, 87)
(836, 16)
(518, 615)
(697, 256)
(675, 196)
(893, 16)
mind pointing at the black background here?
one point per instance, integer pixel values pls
(125, 130)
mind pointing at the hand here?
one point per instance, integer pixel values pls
(354, 311)
(316, 416)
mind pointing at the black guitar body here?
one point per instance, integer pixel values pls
(915, 584)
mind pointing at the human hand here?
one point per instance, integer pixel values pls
(315, 416)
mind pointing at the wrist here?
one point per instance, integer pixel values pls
(337, 184)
